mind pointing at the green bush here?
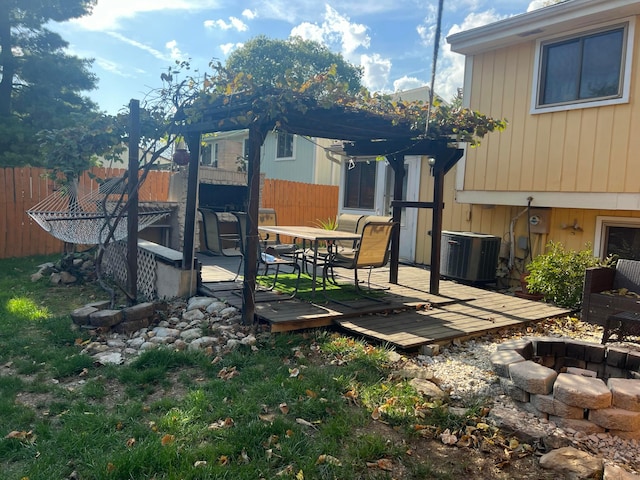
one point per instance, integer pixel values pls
(558, 274)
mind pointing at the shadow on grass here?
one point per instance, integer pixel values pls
(341, 292)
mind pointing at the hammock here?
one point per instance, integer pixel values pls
(86, 219)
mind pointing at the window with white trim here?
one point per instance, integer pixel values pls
(284, 145)
(360, 185)
(619, 236)
(583, 70)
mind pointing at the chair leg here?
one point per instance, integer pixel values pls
(239, 267)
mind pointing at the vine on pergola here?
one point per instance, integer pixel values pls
(225, 88)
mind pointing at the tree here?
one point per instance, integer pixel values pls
(291, 62)
(40, 85)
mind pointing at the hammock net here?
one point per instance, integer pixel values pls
(87, 219)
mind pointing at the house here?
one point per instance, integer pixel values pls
(284, 156)
(567, 79)
(366, 187)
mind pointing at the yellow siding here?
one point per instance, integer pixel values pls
(585, 150)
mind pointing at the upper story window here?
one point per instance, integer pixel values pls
(584, 70)
(284, 145)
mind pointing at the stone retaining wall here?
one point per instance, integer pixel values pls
(578, 385)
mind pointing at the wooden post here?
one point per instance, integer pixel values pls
(436, 227)
(193, 141)
(256, 138)
(132, 212)
(397, 163)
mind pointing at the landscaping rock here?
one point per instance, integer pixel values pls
(573, 463)
(581, 391)
(626, 393)
(616, 419)
(427, 389)
(532, 378)
(105, 318)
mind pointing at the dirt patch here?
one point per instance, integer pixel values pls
(490, 463)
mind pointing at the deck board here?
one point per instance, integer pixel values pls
(413, 316)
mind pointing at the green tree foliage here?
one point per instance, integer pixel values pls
(40, 86)
(291, 62)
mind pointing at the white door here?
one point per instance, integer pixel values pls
(409, 218)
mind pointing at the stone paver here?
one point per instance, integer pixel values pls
(501, 359)
(616, 419)
(626, 393)
(583, 392)
(532, 377)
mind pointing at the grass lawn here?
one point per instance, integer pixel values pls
(343, 291)
(314, 405)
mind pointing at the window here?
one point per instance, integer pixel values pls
(619, 236)
(216, 153)
(284, 148)
(583, 70)
(360, 185)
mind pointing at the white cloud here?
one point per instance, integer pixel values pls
(174, 52)
(233, 23)
(108, 14)
(335, 30)
(113, 67)
(407, 83)
(249, 14)
(450, 73)
(156, 53)
(536, 4)
(376, 71)
(309, 31)
(227, 48)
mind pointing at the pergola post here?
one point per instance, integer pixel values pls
(397, 164)
(193, 141)
(436, 228)
(256, 138)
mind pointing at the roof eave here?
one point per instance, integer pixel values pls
(542, 22)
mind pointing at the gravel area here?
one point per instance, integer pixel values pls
(463, 369)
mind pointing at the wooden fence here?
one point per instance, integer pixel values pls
(23, 188)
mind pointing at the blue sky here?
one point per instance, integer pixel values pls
(134, 41)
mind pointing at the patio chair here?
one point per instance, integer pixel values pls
(269, 257)
(349, 248)
(372, 252)
(346, 222)
(267, 217)
(221, 233)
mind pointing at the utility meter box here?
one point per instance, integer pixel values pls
(539, 220)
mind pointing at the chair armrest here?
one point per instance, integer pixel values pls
(598, 279)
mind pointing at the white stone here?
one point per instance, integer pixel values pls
(248, 340)
(228, 312)
(166, 332)
(115, 343)
(199, 303)
(136, 342)
(233, 343)
(215, 307)
(191, 334)
(147, 346)
(114, 358)
(192, 315)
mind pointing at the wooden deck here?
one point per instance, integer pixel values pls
(411, 316)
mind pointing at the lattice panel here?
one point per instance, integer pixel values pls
(114, 264)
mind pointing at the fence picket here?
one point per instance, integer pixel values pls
(22, 188)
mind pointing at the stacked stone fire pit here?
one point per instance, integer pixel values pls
(578, 385)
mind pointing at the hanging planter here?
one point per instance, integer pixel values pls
(181, 157)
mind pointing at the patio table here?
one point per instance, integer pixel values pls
(315, 235)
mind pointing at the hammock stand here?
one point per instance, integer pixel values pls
(86, 219)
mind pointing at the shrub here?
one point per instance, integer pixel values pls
(558, 274)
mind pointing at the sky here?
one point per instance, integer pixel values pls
(133, 42)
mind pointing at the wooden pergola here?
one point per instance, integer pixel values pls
(364, 134)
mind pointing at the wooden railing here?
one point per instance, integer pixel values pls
(23, 188)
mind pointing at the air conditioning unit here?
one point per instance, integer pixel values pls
(469, 256)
